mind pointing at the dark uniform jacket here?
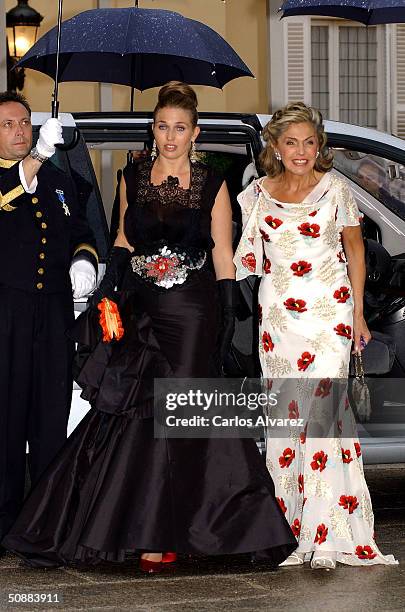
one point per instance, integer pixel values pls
(41, 233)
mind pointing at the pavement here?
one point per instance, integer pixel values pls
(229, 583)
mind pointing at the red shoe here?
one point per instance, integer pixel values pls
(169, 557)
(150, 567)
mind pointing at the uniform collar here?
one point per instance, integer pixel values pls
(7, 163)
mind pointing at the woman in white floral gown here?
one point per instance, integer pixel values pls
(302, 236)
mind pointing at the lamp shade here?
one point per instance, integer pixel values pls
(22, 23)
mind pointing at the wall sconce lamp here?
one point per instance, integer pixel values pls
(22, 23)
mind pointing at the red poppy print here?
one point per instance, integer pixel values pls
(268, 384)
(319, 461)
(305, 361)
(273, 222)
(267, 342)
(365, 553)
(346, 456)
(265, 236)
(343, 330)
(323, 388)
(295, 305)
(249, 261)
(301, 267)
(303, 435)
(300, 483)
(304, 501)
(349, 502)
(260, 313)
(267, 266)
(293, 411)
(357, 449)
(286, 458)
(341, 257)
(313, 213)
(309, 229)
(342, 295)
(321, 534)
(296, 527)
(281, 503)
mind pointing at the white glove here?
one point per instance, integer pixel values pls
(50, 134)
(83, 277)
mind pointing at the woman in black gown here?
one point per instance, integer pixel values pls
(115, 488)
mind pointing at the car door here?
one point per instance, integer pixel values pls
(229, 143)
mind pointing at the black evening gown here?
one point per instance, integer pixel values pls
(114, 488)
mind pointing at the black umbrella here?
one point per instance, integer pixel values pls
(369, 12)
(141, 48)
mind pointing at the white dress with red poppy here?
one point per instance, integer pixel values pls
(305, 332)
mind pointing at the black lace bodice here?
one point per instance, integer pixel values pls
(167, 213)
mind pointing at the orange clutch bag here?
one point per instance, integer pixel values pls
(110, 320)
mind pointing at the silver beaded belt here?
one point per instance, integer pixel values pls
(168, 267)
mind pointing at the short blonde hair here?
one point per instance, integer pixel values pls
(294, 112)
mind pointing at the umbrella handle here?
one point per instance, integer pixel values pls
(72, 144)
(55, 108)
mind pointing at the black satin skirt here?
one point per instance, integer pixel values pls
(115, 489)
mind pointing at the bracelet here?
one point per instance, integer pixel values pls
(35, 155)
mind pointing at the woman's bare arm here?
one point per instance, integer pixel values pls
(221, 232)
(354, 249)
(121, 239)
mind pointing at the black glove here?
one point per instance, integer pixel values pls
(117, 261)
(229, 299)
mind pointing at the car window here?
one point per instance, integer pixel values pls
(380, 177)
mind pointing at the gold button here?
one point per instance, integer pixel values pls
(38, 214)
(34, 200)
(44, 225)
(39, 285)
(42, 256)
(40, 270)
(43, 240)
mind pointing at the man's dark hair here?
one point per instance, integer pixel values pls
(13, 96)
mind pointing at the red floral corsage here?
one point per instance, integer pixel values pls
(110, 320)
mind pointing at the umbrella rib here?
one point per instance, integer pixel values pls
(126, 34)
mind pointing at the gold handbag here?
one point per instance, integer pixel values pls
(360, 390)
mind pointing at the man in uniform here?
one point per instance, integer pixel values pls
(46, 250)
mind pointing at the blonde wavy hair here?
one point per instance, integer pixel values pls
(294, 112)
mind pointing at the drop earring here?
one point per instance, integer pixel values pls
(317, 154)
(154, 152)
(278, 156)
(193, 153)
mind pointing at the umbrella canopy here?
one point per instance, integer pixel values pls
(369, 12)
(141, 48)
